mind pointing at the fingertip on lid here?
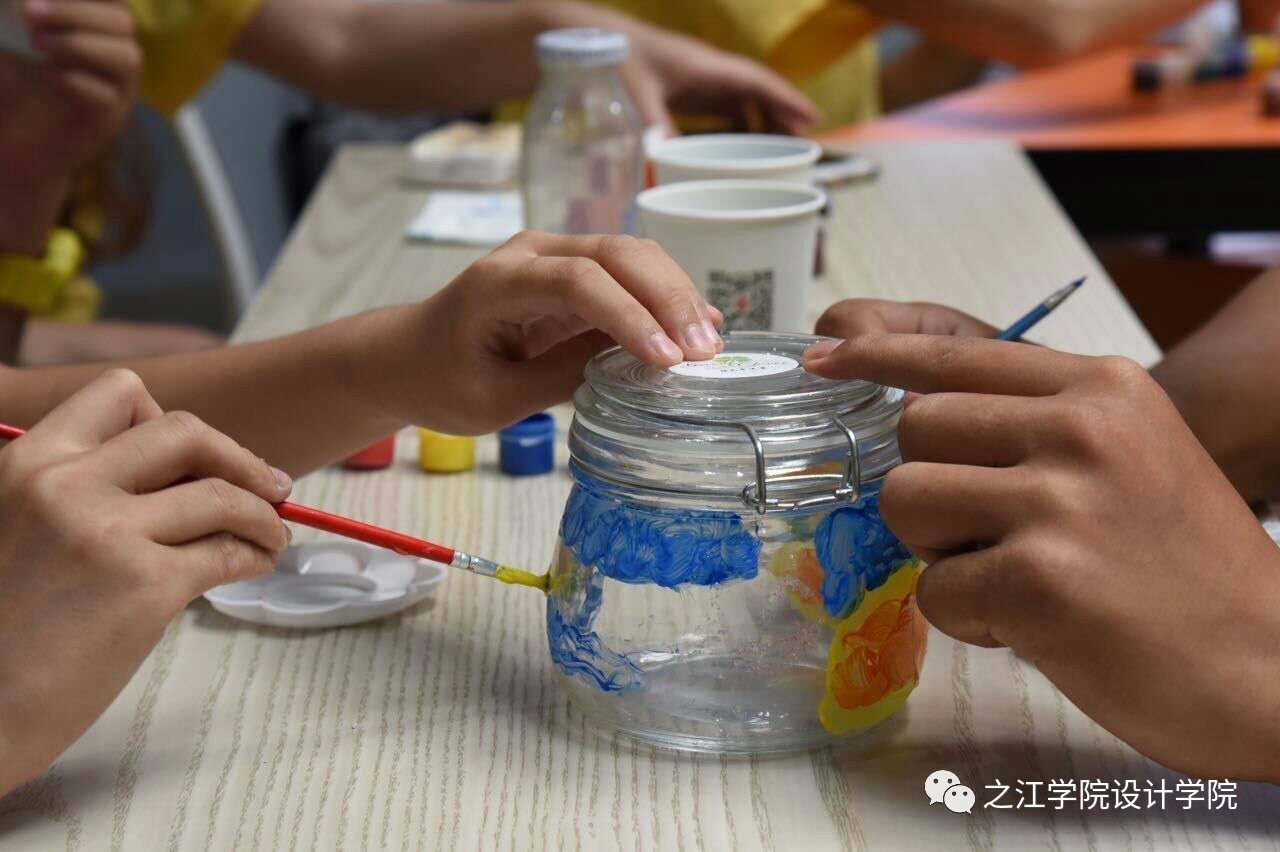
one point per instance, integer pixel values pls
(820, 350)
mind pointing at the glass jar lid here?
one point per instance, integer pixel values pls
(759, 379)
(750, 422)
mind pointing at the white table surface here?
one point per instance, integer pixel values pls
(445, 727)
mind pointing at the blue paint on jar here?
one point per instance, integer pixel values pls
(577, 649)
(857, 553)
(666, 547)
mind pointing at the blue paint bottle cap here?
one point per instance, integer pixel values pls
(527, 448)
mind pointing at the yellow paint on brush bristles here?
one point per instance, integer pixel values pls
(516, 577)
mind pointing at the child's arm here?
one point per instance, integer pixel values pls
(99, 550)
(461, 56)
(1223, 378)
(59, 112)
(509, 337)
(1035, 32)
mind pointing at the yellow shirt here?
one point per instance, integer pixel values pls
(822, 46)
(184, 43)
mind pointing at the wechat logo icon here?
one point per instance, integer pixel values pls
(944, 786)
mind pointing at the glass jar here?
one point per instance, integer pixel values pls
(723, 580)
(581, 151)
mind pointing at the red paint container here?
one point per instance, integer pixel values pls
(374, 457)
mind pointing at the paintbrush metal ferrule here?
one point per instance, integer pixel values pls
(502, 573)
(1060, 295)
(474, 564)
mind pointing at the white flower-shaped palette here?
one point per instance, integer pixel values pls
(329, 583)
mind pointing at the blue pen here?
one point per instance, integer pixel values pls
(1039, 312)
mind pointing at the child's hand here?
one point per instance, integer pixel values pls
(1068, 512)
(510, 335)
(859, 316)
(60, 112)
(670, 71)
(100, 546)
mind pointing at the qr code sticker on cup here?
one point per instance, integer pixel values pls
(745, 298)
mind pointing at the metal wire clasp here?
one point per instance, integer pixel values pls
(848, 484)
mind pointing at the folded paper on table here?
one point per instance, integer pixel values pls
(469, 218)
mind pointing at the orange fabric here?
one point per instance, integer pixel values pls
(1086, 103)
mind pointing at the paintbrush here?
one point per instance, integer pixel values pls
(405, 545)
(1039, 312)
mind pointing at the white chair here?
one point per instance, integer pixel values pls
(229, 231)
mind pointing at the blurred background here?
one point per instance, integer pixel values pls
(1173, 276)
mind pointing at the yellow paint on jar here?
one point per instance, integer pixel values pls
(876, 655)
(799, 572)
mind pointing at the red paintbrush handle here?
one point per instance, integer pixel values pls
(368, 533)
(305, 515)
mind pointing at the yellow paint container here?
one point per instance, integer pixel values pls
(441, 453)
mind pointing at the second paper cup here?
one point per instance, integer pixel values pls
(748, 245)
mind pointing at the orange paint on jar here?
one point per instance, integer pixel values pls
(876, 656)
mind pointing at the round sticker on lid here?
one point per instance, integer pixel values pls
(737, 365)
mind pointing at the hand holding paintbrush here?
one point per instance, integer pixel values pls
(113, 517)
(368, 533)
(853, 317)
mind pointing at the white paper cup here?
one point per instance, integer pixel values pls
(748, 245)
(754, 156)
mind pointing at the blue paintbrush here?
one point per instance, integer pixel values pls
(1039, 312)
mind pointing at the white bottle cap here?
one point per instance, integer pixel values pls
(584, 46)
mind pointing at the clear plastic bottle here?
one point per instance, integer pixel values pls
(582, 163)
